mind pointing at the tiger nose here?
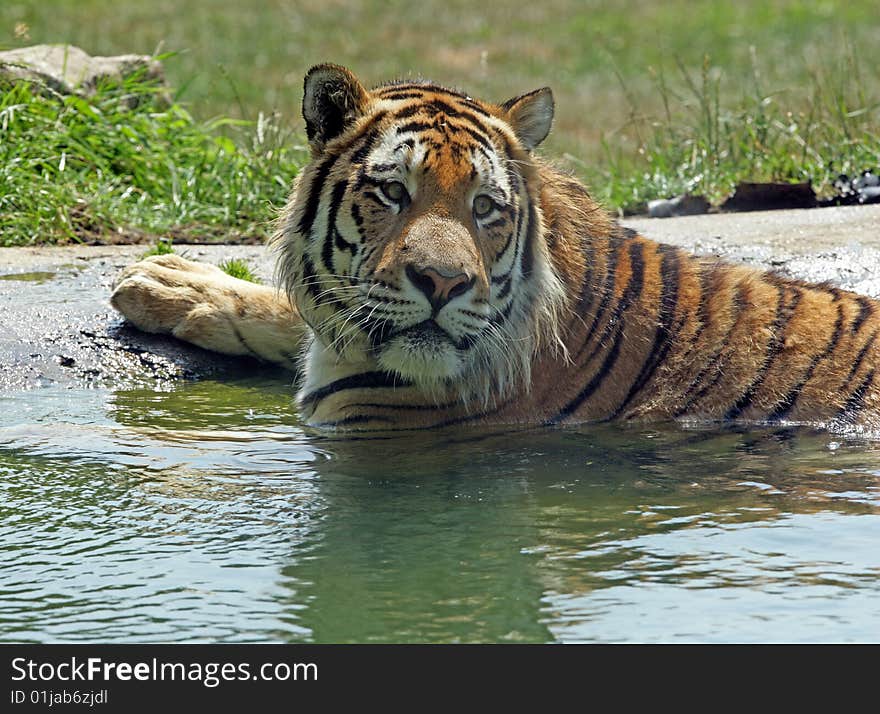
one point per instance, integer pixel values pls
(437, 287)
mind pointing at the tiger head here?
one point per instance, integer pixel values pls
(413, 240)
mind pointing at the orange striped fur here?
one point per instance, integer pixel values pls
(488, 287)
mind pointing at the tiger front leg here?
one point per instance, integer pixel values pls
(200, 304)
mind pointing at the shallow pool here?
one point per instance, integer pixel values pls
(207, 513)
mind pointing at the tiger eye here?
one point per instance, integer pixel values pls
(394, 191)
(483, 206)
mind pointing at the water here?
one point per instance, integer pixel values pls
(38, 277)
(208, 513)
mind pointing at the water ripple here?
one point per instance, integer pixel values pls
(208, 514)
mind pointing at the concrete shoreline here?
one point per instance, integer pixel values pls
(57, 326)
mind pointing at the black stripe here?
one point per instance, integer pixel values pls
(866, 309)
(378, 329)
(861, 356)
(414, 126)
(356, 216)
(856, 401)
(359, 156)
(375, 199)
(471, 313)
(784, 313)
(607, 295)
(366, 254)
(587, 287)
(592, 385)
(691, 396)
(527, 260)
(435, 107)
(364, 179)
(502, 314)
(446, 128)
(364, 380)
(335, 201)
(409, 111)
(702, 315)
(314, 288)
(498, 279)
(508, 147)
(438, 106)
(243, 342)
(510, 236)
(342, 244)
(406, 407)
(513, 234)
(348, 421)
(505, 288)
(313, 197)
(702, 309)
(632, 293)
(481, 139)
(513, 177)
(367, 135)
(669, 275)
(786, 404)
(464, 419)
(399, 96)
(457, 421)
(422, 89)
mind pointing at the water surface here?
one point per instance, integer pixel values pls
(208, 513)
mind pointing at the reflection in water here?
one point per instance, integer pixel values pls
(208, 513)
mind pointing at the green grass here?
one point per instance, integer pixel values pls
(238, 268)
(77, 169)
(163, 246)
(704, 143)
(242, 58)
(790, 91)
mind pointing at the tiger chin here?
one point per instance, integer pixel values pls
(432, 270)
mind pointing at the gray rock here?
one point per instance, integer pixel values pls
(69, 70)
(869, 194)
(686, 205)
(751, 196)
(660, 208)
(868, 179)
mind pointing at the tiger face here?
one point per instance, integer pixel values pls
(413, 240)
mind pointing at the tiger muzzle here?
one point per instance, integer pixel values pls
(438, 287)
(441, 259)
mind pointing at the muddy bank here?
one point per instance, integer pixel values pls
(57, 326)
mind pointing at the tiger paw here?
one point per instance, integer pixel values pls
(159, 293)
(200, 304)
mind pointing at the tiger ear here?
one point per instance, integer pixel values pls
(333, 99)
(531, 116)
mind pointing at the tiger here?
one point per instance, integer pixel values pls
(434, 271)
